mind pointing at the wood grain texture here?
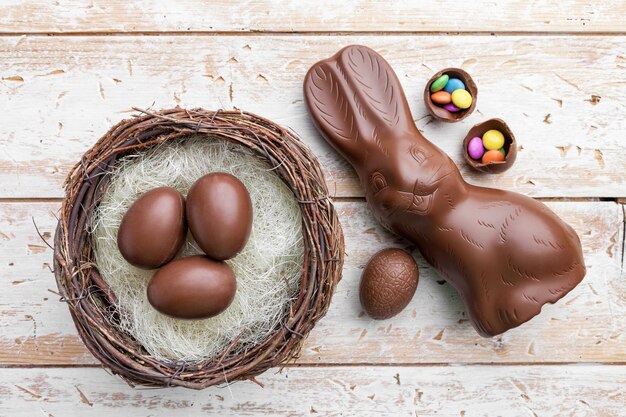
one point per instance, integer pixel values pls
(561, 98)
(36, 16)
(453, 391)
(37, 328)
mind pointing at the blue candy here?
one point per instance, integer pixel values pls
(454, 84)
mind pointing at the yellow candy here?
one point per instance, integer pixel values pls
(493, 140)
(462, 99)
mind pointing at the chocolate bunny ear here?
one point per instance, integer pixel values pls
(356, 101)
(331, 111)
(378, 92)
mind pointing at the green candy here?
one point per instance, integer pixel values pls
(439, 83)
(502, 151)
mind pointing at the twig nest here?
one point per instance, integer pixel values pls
(484, 162)
(439, 95)
(94, 289)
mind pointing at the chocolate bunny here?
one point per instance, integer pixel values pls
(505, 253)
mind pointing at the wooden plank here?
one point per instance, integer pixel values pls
(561, 96)
(330, 391)
(37, 329)
(35, 16)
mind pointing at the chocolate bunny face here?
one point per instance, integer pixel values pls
(416, 190)
(407, 182)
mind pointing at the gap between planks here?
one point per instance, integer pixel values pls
(622, 201)
(348, 365)
(340, 199)
(316, 33)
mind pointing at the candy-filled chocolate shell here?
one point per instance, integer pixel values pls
(153, 229)
(195, 287)
(219, 212)
(510, 146)
(439, 112)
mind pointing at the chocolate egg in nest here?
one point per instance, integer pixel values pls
(285, 273)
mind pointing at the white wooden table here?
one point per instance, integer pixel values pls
(556, 72)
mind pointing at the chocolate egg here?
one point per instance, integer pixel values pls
(153, 229)
(388, 283)
(219, 212)
(195, 287)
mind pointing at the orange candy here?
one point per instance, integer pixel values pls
(492, 156)
(441, 97)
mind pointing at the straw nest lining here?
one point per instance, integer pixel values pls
(268, 270)
(92, 302)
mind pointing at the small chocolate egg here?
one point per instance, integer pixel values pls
(492, 156)
(195, 287)
(462, 99)
(388, 283)
(475, 148)
(493, 139)
(219, 213)
(153, 229)
(441, 97)
(439, 83)
(454, 84)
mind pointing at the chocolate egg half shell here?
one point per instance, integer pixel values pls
(153, 229)
(219, 213)
(441, 113)
(195, 287)
(388, 283)
(510, 146)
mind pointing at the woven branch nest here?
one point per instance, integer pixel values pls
(91, 301)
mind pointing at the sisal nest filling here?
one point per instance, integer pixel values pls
(267, 270)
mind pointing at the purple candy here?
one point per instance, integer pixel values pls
(451, 108)
(475, 148)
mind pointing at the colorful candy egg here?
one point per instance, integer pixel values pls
(492, 156)
(439, 83)
(451, 108)
(475, 148)
(462, 99)
(453, 85)
(441, 97)
(493, 139)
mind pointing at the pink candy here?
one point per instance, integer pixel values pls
(475, 148)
